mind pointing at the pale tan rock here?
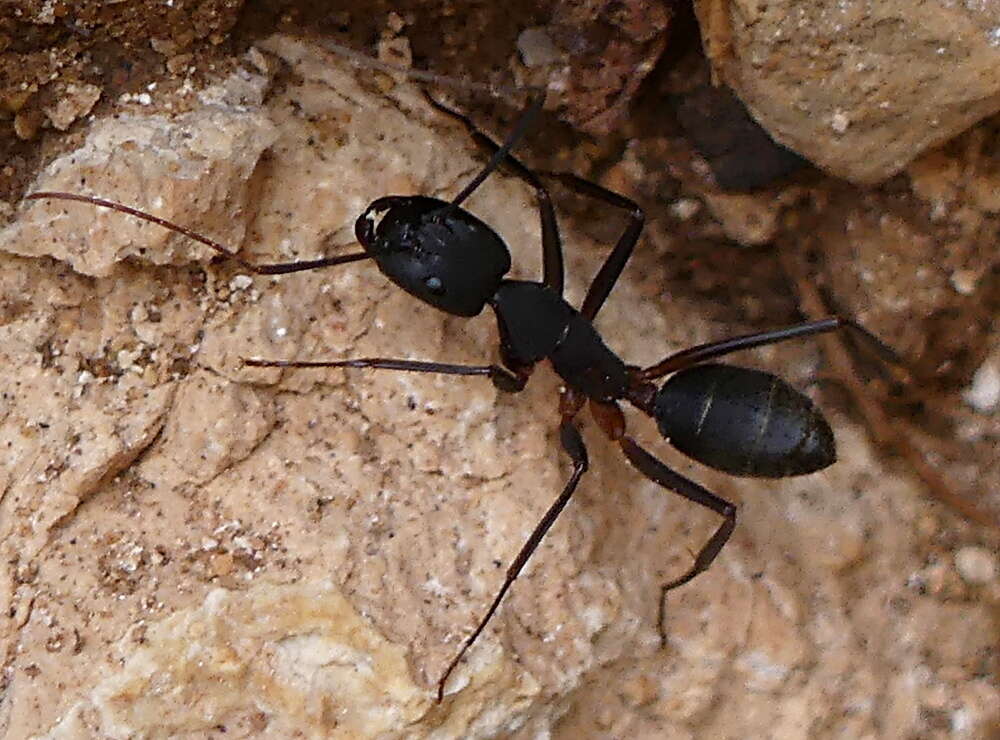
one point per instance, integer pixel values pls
(860, 88)
(750, 220)
(77, 101)
(201, 163)
(279, 552)
(270, 661)
(216, 424)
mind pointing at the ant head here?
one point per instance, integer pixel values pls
(435, 251)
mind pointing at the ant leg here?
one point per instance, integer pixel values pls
(572, 442)
(700, 353)
(510, 381)
(280, 268)
(552, 259)
(528, 117)
(659, 473)
(552, 270)
(612, 268)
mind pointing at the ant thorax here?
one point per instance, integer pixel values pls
(536, 323)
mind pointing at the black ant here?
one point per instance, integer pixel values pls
(740, 421)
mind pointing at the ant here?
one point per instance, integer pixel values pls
(740, 421)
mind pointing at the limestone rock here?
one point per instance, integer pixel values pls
(201, 162)
(310, 562)
(859, 88)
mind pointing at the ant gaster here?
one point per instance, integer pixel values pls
(740, 421)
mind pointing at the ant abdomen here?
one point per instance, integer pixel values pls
(743, 422)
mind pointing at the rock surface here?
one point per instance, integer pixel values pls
(859, 88)
(264, 553)
(608, 48)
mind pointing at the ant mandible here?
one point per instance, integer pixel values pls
(737, 420)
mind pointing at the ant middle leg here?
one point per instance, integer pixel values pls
(572, 442)
(612, 268)
(700, 353)
(505, 379)
(659, 473)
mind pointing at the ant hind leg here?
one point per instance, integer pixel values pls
(659, 473)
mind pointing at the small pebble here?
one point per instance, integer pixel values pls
(964, 281)
(976, 564)
(240, 282)
(222, 564)
(126, 358)
(537, 49)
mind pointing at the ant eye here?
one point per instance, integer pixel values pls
(434, 285)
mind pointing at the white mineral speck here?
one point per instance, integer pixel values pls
(984, 392)
(839, 122)
(685, 208)
(976, 564)
(240, 282)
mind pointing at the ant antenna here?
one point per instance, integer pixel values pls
(531, 112)
(276, 269)
(364, 60)
(534, 106)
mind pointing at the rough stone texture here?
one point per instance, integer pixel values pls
(860, 88)
(220, 142)
(608, 49)
(190, 541)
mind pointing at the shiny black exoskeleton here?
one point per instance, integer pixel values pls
(743, 422)
(740, 421)
(440, 254)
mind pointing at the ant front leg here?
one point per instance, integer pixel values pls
(659, 473)
(552, 257)
(280, 268)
